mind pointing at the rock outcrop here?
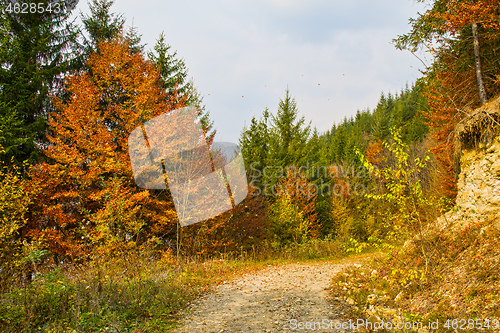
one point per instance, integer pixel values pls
(477, 142)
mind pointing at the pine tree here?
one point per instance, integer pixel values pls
(276, 142)
(380, 124)
(34, 56)
(313, 148)
(338, 145)
(174, 74)
(101, 25)
(133, 38)
(172, 68)
(288, 134)
(254, 142)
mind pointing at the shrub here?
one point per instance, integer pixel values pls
(13, 207)
(287, 222)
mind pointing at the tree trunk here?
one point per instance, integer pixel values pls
(479, 74)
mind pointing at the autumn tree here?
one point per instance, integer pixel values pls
(463, 37)
(463, 18)
(13, 209)
(89, 196)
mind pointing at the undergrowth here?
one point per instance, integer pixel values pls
(128, 293)
(460, 291)
(137, 291)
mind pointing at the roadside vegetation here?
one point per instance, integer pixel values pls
(142, 290)
(460, 288)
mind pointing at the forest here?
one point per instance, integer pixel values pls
(83, 248)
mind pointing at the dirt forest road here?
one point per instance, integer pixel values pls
(274, 299)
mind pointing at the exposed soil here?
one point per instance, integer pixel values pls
(274, 299)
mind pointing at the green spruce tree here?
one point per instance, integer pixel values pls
(174, 79)
(254, 142)
(288, 137)
(34, 56)
(101, 25)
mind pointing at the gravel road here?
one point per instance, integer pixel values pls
(282, 298)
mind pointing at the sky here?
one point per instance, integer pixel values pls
(335, 56)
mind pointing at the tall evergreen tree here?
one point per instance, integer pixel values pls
(133, 38)
(254, 142)
(172, 68)
(101, 24)
(288, 134)
(313, 147)
(34, 55)
(276, 142)
(339, 141)
(174, 76)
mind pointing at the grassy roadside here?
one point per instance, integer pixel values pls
(137, 292)
(119, 295)
(460, 290)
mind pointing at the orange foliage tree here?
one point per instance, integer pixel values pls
(86, 195)
(463, 36)
(374, 152)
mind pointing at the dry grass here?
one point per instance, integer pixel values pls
(478, 130)
(462, 282)
(132, 292)
(140, 291)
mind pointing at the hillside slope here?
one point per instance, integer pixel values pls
(460, 287)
